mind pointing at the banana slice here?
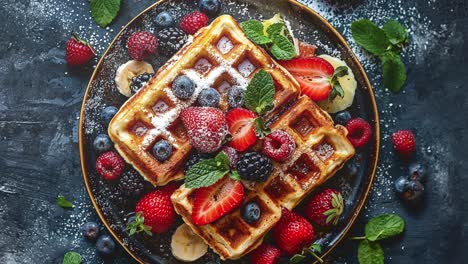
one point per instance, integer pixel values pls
(186, 245)
(127, 71)
(347, 82)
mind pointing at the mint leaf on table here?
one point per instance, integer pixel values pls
(254, 31)
(370, 36)
(394, 72)
(260, 92)
(72, 258)
(370, 253)
(104, 11)
(63, 202)
(384, 226)
(396, 33)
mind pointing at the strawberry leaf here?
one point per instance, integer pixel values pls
(260, 129)
(138, 226)
(260, 93)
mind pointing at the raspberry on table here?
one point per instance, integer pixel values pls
(404, 142)
(141, 45)
(279, 145)
(110, 165)
(359, 132)
(192, 22)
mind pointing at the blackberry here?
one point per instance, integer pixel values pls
(139, 81)
(171, 40)
(254, 166)
(130, 186)
(195, 158)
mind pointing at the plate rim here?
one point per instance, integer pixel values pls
(341, 41)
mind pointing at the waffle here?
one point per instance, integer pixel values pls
(219, 56)
(322, 150)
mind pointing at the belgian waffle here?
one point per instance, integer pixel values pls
(322, 149)
(219, 56)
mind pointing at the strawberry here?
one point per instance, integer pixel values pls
(265, 254)
(306, 50)
(316, 77)
(157, 209)
(206, 127)
(110, 165)
(192, 22)
(241, 126)
(325, 208)
(293, 233)
(404, 142)
(141, 45)
(213, 202)
(79, 51)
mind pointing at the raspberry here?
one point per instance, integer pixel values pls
(359, 132)
(141, 45)
(110, 165)
(192, 22)
(279, 145)
(79, 51)
(404, 142)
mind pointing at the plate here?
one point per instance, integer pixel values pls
(101, 92)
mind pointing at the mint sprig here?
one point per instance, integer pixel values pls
(208, 172)
(72, 258)
(260, 92)
(138, 226)
(378, 228)
(255, 31)
(386, 43)
(63, 202)
(104, 11)
(314, 250)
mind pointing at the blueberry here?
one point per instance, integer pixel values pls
(417, 172)
(102, 143)
(401, 184)
(108, 113)
(164, 20)
(90, 230)
(210, 7)
(413, 191)
(105, 245)
(162, 150)
(235, 97)
(251, 212)
(209, 97)
(342, 118)
(183, 87)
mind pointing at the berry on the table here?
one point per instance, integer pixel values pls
(251, 212)
(162, 150)
(292, 233)
(102, 143)
(359, 132)
(254, 166)
(110, 165)
(209, 97)
(210, 7)
(196, 157)
(171, 40)
(342, 118)
(401, 184)
(107, 114)
(183, 87)
(192, 22)
(232, 155)
(90, 231)
(325, 208)
(141, 45)
(414, 191)
(417, 171)
(78, 51)
(265, 254)
(235, 97)
(404, 142)
(139, 81)
(105, 245)
(164, 20)
(279, 145)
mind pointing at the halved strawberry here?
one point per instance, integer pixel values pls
(213, 202)
(314, 74)
(306, 50)
(241, 126)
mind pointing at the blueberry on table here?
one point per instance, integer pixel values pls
(102, 143)
(164, 20)
(209, 97)
(235, 97)
(417, 172)
(108, 113)
(401, 184)
(251, 212)
(210, 7)
(342, 118)
(162, 150)
(105, 245)
(90, 230)
(183, 87)
(414, 191)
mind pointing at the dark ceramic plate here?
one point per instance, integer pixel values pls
(101, 92)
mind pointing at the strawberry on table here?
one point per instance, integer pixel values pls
(265, 254)
(192, 22)
(241, 126)
(325, 208)
(213, 202)
(78, 51)
(293, 233)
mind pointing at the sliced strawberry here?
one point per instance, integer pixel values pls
(306, 50)
(213, 202)
(241, 125)
(314, 74)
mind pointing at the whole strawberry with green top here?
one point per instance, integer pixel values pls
(325, 208)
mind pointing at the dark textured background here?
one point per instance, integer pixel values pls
(40, 100)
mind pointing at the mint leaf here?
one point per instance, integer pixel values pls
(394, 71)
(296, 259)
(282, 48)
(275, 29)
(72, 258)
(222, 161)
(260, 129)
(396, 33)
(104, 11)
(370, 253)
(63, 202)
(235, 175)
(384, 226)
(254, 31)
(369, 36)
(260, 92)
(204, 173)
(138, 226)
